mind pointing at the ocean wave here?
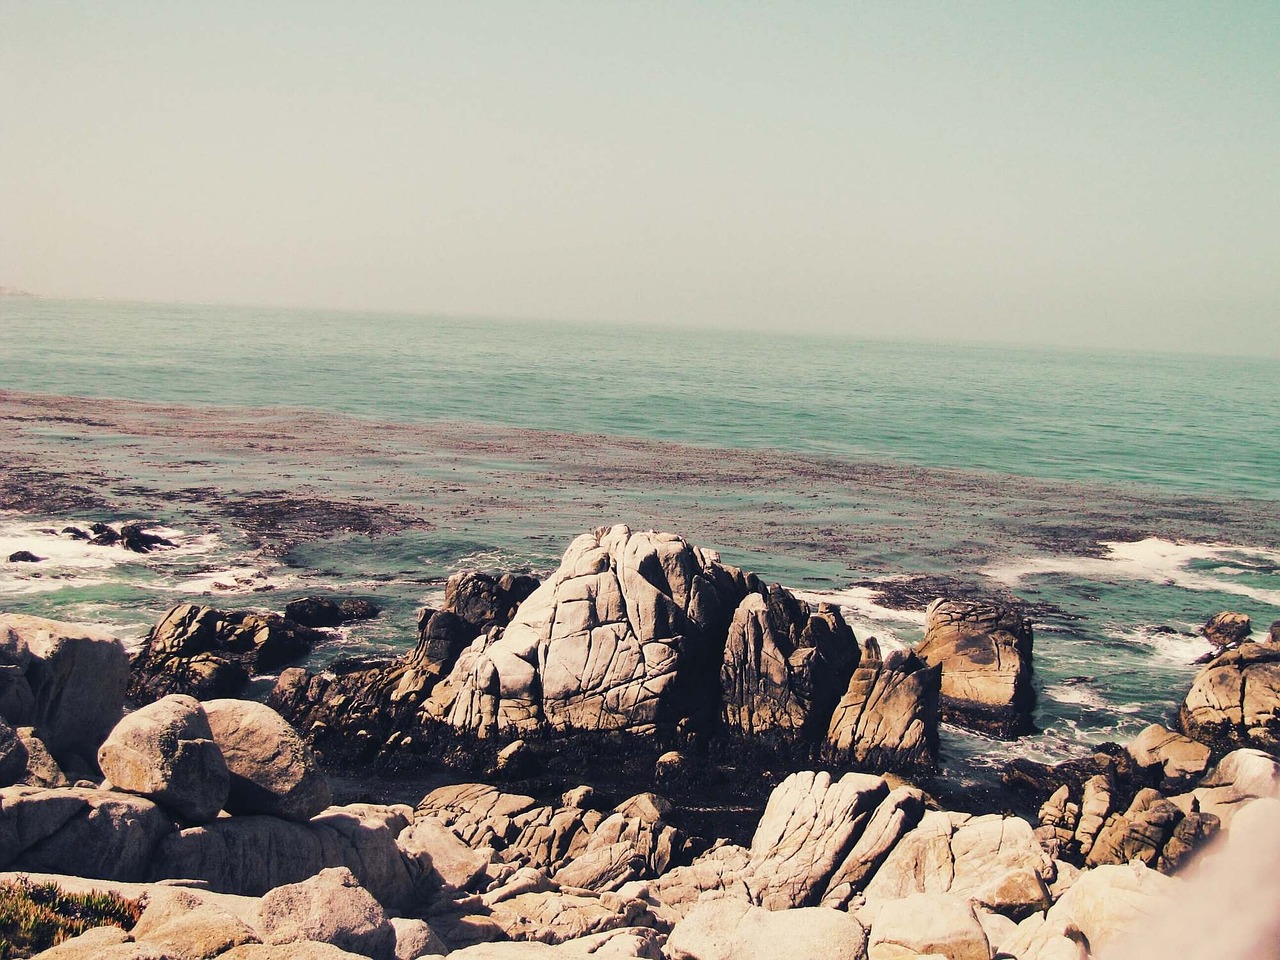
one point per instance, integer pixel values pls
(867, 616)
(1162, 562)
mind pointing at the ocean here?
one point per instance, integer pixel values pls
(1123, 497)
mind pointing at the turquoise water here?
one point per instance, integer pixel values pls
(1175, 422)
(1127, 497)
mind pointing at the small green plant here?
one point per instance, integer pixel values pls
(37, 916)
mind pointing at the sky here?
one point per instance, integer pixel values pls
(1099, 174)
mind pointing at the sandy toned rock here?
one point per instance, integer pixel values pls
(1227, 629)
(1235, 699)
(166, 753)
(331, 907)
(67, 680)
(984, 651)
(272, 770)
(1179, 757)
(736, 930)
(931, 923)
(888, 716)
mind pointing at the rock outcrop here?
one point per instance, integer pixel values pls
(984, 651)
(888, 716)
(208, 654)
(784, 667)
(65, 680)
(165, 752)
(1227, 629)
(1234, 700)
(624, 635)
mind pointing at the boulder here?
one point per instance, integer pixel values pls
(13, 756)
(195, 933)
(103, 943)
(165, 752)
(208, 653)
(888, 716)
(784, 668)
(314, 612)
(1227, 629)
(930, 924)
(415, 939)
(250, 855)
(331, 907)
(624, 635)
(439, 858)
(66, 680)
(809, 826)
(79, 831)
(485, 601)
(720, 871)
(736, 930)
(272, 771)
(298, 950)
(896, 815)
(1239, 778)
(42, 769)
(1235, 699)
(1178, 757)
(984, 651)
(24, 556)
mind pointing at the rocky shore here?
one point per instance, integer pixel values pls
(579, 726)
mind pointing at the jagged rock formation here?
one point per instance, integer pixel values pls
(1227, 629)
(985, 655)
(623, 635)
(1235, 699)
(888, 716)
(784, 668)
(207, 653)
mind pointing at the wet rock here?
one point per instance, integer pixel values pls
(24, 556)
(314, 612)
(165, 752)
(136, 539)
(784, 668)
(1227, 629)
(984, 651)
(888, 716)
(66, 680)
(209, 654)
(272, 771)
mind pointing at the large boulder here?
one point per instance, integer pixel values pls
(784, 667)
(984, 651)
(1235, 699)
(888, 716)
(930, 924)
(250, 855)
(1241, 777)
(1178, 757)
(735, 930)
(272, 770)
(809, 826)
(79, 831)
(330, 907)
(208, 653)
(66, 680)
(624, 635)
(165, 752)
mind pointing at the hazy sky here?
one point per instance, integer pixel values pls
(1098, 173)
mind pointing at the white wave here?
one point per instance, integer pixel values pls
(866, 615)
(1076, 694)
(1156, 561)
(1177, 648)
(232, 580)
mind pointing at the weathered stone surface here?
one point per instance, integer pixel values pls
(1227, 629)
(104, 943)
(736, 930)
(42, 770)
(1178, 756)
(207, 653)
(931, 923)
(1140, 833)
(200, 933)
(896, 814)
(1235, 699)
(808, 828)
(251, 855)
(888, 716)
(272, 771)
(620, 636)
(415, 939)
(328, 612)
(985, 655)
(720, 870)
(78, 831)
(66, 680)
(440, 859)
(1239, 778)
(13, 756)
(785, 668)
(331, 907)
(165, 752)
(298, 950)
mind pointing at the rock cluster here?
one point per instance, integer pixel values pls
(207, 653)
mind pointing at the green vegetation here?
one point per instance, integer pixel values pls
(37, 916)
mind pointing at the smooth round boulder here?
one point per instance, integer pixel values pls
(165, 752)
(272, 771)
